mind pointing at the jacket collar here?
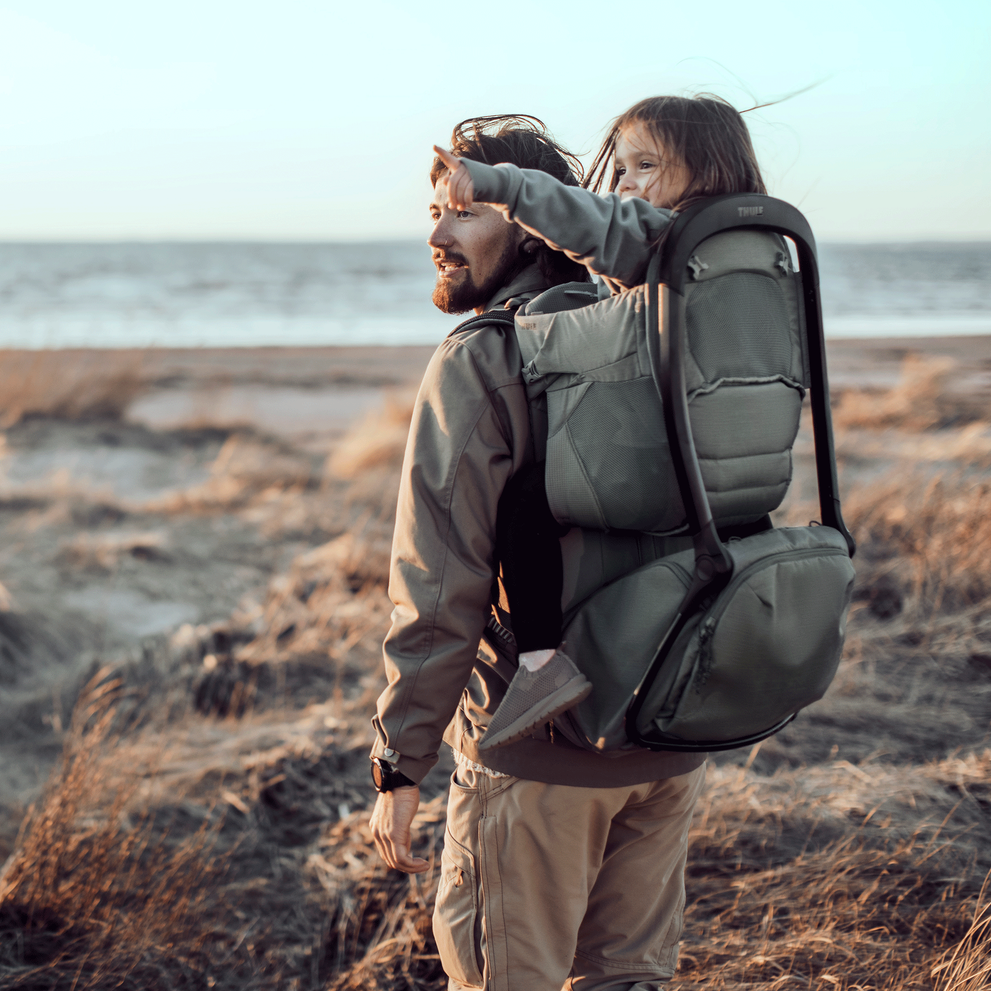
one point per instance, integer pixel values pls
(525, 286)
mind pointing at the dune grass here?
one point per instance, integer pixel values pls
(70, 385)
(230, 848)
(923, 399)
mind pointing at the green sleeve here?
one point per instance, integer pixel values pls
(610, 236)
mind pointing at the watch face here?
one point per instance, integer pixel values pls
(377, 776)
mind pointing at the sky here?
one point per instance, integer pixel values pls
(309, 119)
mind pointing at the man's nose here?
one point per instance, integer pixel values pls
(440, 236)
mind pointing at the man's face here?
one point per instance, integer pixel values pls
(476, 253)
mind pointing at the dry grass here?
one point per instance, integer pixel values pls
(329, 601)
(967, 967)
(70, 385)
(840, 875)
(370, 456)
(103, 552)
(247, 469)
(379, 936)
(829, 879)
(97, 895)
(924, 399)
(925, 541)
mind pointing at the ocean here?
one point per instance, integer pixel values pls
(251, 294)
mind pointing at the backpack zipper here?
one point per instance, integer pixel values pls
(765, 562)
(707, 629)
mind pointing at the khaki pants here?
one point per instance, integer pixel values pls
(549, 887)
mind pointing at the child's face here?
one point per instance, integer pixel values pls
(645, 171)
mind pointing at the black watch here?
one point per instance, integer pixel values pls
(386, 776)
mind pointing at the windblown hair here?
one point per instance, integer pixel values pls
(704, 132)
(522, 141)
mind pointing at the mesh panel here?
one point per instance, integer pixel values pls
(618, 428)
(738, 326)
(569, 494)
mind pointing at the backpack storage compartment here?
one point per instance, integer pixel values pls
(673, 408)
(766, 647)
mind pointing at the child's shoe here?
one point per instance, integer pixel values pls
(533, 698)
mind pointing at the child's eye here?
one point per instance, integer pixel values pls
(646, 165)
(620, 171)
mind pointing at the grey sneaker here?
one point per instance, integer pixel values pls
(534, 697)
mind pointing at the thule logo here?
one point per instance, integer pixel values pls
(750, 211)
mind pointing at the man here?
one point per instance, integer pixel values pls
(561, 868)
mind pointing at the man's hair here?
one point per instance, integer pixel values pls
(522, 141)
(704, 132)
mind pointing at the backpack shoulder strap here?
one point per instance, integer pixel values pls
(506, 319)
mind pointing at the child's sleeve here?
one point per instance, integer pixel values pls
(610, 236)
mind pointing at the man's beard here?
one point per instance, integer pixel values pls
(467, 295)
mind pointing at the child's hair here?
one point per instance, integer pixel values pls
(705, 132)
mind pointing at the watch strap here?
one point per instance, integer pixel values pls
(386, 776)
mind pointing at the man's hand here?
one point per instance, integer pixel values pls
(390, 822)
(460, 188)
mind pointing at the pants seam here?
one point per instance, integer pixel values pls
(622, 965)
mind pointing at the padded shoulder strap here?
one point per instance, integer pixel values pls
(505, 318)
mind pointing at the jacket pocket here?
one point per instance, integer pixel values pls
(456, 921)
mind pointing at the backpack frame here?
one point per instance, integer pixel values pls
(666, 281)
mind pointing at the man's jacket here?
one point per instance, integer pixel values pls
(469, 435)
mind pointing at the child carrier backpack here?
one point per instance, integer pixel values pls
(671, 409)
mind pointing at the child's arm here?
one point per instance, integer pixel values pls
(611, 237)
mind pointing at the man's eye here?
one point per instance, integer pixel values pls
(464, 213)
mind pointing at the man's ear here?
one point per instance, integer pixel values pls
(530, 245)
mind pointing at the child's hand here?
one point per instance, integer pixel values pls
(460, 189)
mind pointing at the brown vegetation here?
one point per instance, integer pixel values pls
(93, 386)
(924, 399)
(207, 824)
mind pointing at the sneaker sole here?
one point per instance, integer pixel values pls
(556, 703)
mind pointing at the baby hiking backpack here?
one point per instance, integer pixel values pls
(671, 410)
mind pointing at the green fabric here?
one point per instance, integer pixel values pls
(608, 462)
(771, 642)
(766, 648)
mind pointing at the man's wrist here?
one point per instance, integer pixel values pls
(387, 777)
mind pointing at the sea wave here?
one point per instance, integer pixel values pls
(232, 295)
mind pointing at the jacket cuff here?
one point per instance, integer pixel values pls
(414, 768)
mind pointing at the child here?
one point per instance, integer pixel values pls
(665, 152)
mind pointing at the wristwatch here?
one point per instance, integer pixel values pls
(386, 776)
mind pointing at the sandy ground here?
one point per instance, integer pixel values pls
(212, 529)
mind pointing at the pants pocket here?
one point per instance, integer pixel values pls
(456, 921)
